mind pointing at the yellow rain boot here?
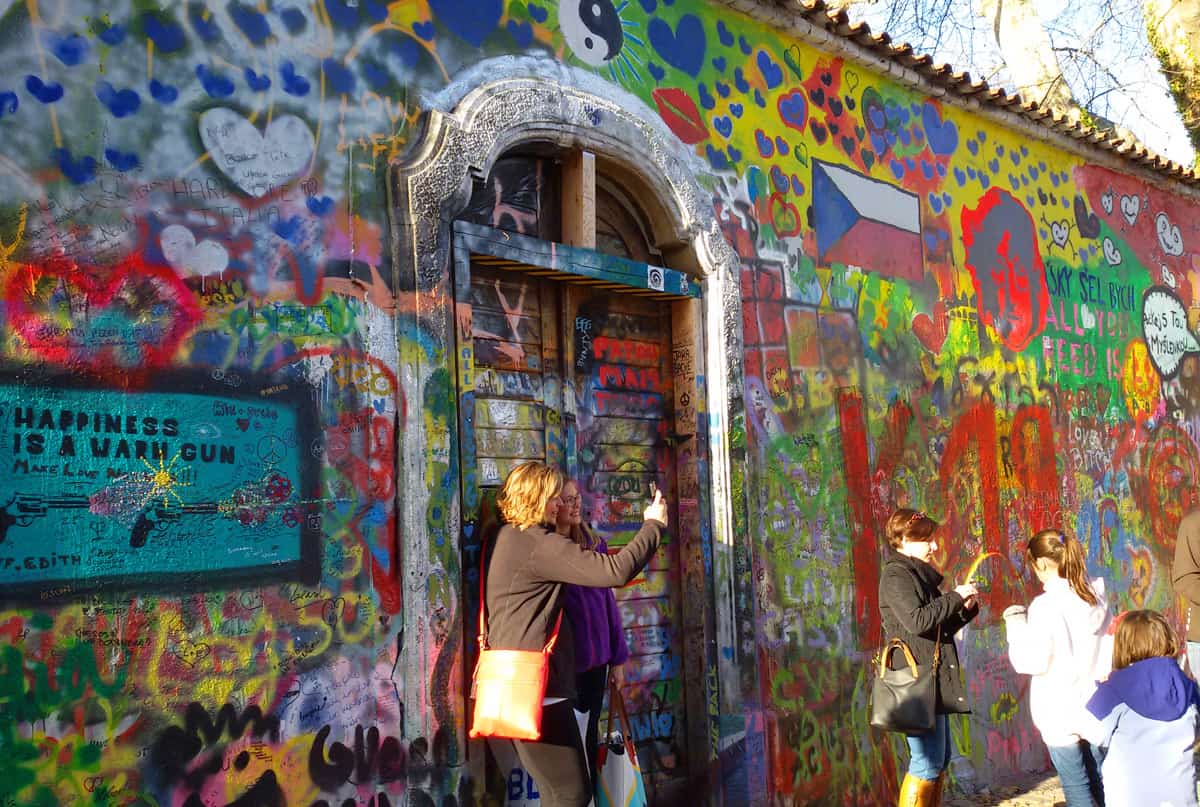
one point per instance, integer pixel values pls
(916, 792)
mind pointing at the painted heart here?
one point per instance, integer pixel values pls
(134, 315)
(684, 47)
(724, 34)
(784, 216)
(471, 20)
(723, 125)
(766, 146)
(791, 57)
(256, 81)
(1169, 237)
(243, 424)
(257, 162)
(70, 50)
(180, 249)
(163, 93)
(1087, 317)
(120, 103)
(771, 72)
(1130, 207)
(46, 93)
(425, 30)
(252, 22)
(1060, 231)
(779, 179)
(79, 171)
(1111, 253)
(1106, 201)
(338, 77)
(293, 83)
(1089, 222)
(122, 160)
(9, 103)
(931, 331)
(165, 33)
(319, 205)
(942, 135)
(216, 84)
(706, 99)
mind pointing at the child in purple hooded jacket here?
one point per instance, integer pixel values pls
(1146, 716)
(596, 624)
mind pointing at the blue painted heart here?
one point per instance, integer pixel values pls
(163, 93)
(744, 45)
(656, 70)
(290, 230)
(706, 99)
(734, 153)
(217, 85)
(782, 146)
(470, 20)
(779, 179)
(113, 35)
(723, 125)
(739, 81)
(766, 146)
(252, 22)
(724, 34)
(257, 82)
(539, 14)
(771, 72)
(121, 103)
(46, 93)
(70, 50)
(338, 76)
(522, 33)
(9, 103)
(121, 160)
(204, 22)
(719, 64)
(294, 20)
(425, 30)
(293, 84)
(320, 205)
(684, 47)
(722, 89)
(165, 33)
(716, 159)
(79, 172)
(735, 110)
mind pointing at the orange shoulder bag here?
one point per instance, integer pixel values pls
(509, 685)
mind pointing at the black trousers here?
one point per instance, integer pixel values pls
(557, 762)
(590, 688)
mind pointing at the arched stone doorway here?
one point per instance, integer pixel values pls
(499, 109)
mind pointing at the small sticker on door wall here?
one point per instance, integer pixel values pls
(654, 278)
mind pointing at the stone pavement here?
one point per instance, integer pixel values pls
(1032, 790)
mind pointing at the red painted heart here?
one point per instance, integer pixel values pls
(932, 331)
(133, 315)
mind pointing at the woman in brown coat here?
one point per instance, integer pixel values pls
(526, 578)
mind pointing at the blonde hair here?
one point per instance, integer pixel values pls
(527, 490)
(1142, 635)
(908, 525)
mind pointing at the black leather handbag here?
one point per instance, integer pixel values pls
(905, 700)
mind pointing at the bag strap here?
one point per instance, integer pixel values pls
(483, 626)
(900, 644)
(616, 703)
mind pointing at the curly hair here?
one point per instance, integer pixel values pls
(527, 490)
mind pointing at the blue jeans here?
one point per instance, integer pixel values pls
(1078, 768)
(929, 754)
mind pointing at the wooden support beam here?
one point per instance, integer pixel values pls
(579, 200)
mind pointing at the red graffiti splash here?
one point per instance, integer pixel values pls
(133, 315)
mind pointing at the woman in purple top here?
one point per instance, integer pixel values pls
(596, 625)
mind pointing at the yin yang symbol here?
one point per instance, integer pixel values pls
(592, 29)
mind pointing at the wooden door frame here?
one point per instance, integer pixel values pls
(578, 268)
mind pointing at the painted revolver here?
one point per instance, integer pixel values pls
(24, 508)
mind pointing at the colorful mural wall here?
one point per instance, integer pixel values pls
(207, 356)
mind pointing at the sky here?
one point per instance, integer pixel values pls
(1122, 82)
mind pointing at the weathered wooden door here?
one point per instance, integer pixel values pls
(577, 369)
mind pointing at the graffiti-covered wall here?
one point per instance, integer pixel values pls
(227, 394)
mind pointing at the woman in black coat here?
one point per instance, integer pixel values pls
(912, 607)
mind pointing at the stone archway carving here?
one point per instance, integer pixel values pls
(495, 107)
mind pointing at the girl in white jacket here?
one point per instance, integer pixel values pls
(1062, 641)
